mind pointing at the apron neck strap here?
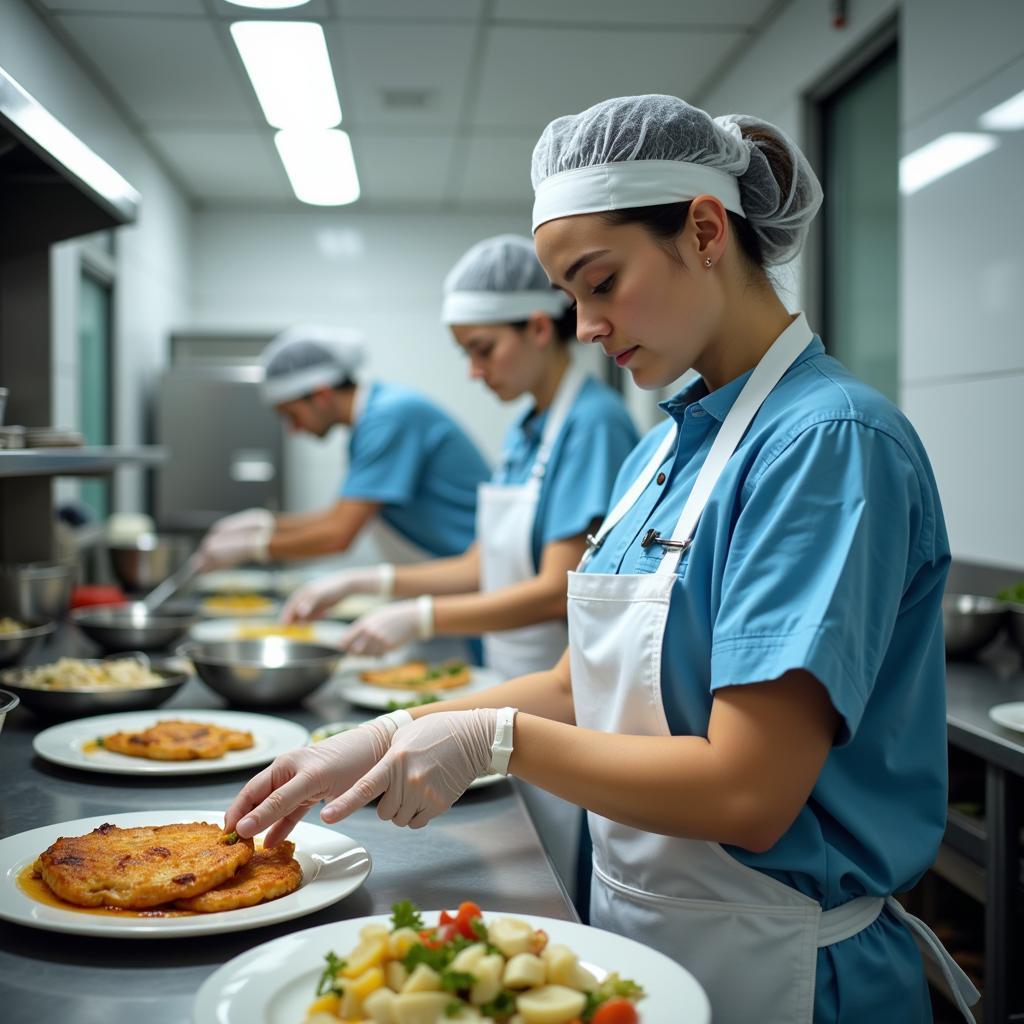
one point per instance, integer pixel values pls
(569, 388)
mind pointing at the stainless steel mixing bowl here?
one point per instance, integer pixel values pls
(971, 622)
(131, 627)
(268, 671)
(141, 564)
(15, 646)
(36, 591)
(8, 702)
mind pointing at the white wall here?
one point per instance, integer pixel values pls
(152, 257)
(382, 273)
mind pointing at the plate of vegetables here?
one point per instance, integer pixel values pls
(469, 966)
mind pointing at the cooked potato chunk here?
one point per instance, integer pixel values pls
(422, 979)
(510, 935)
(524, 970)
(395, 975)
(370, 953)
(379, 1006)
(552, 1004)
(487, 972)
(561, 963)
(401, 941)
(420, 1007)
(468, 958)
(373, 931)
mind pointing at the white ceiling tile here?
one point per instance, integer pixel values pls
(182, 7)
(421, 10)
(397, 168)
(371, 59)
(532, 75)
(584, 13)
(497, 170)
(164, 69)
(225, 165)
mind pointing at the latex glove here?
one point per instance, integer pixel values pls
(389, 627)
(315, 598)
(226, 548)
(247, 519)
(279, 796)
(428, 766)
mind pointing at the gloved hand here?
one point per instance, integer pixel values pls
(428, 766)
(226, 548)
(389, 627)
(279, 796)
(244, 520)
(313, 599)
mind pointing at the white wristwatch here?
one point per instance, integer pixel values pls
(501, 748)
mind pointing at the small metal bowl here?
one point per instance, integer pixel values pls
(141, 564)
(15, 646)
(132, 627)
(36, 591)
(268, 671)
(8, 702)
(64, 704)
(971, 622)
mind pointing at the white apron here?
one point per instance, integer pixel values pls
(504, 528)
(750, 940)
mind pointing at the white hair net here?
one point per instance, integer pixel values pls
(499, 280)
(302, 359)
(664, 128)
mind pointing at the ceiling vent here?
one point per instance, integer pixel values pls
(407, 99)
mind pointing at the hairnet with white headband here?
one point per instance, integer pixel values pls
(499, 281)
(651, 150)
(302, 359)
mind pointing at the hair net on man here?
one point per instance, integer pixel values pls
(649, 150)
(499, 281)
(302, 359)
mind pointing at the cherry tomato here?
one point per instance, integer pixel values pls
(446, 918)
(463, 920)
(616, 1011)
(430, 938)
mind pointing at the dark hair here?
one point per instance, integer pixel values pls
(345, 384)
(564, 324)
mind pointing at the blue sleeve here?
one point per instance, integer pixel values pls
(818, 562)
(386, 457)
(589, 461)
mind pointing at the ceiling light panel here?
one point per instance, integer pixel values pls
(942, 156)
(320, 166)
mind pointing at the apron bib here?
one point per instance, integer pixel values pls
(505, 518)
(750, 940)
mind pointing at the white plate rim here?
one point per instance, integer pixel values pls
(354, 690)
(1010, 715)
(315, 847)
(250, 993)
(291, 735)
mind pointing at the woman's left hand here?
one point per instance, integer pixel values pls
(428, 766)
(394, 625)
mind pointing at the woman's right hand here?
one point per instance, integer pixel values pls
(314, 599)
(279, 796)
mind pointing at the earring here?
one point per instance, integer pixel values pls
(707, 262)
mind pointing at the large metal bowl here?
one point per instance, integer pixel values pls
(14, 646)
(8, 702)
(971, 622)
(141, 564)
(36, 591)
(64, 704)
(268, 671)
(132, 627)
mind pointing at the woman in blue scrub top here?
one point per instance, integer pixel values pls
(751, 706)
(560, 461)
(410, 464)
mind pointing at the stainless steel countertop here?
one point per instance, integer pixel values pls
(484, 849)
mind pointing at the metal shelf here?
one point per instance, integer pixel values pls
(78, 461)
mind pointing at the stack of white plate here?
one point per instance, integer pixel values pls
(52, 437)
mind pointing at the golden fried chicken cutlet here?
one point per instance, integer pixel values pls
(270, 874)
(138, 868)
(418, 675)
(174, 740)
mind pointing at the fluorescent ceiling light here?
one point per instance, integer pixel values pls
(1008, 116)
(268, 5)
(942, 156)
(290, 70)
(320, 166)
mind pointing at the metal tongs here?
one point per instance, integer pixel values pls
(170, 586)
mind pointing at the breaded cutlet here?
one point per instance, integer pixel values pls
(174, 740)
(270, 874)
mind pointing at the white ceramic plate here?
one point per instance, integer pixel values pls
(215, 630)
(1010, 716)
(324, 732)
(275, 982)
(333, 866)
(64, 744)
(354, 690)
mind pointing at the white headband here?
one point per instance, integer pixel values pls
(301, 383)
(500, 307)
(629, 183)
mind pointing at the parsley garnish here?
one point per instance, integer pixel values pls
(326, 982)
(457, 981)
(405, 915)
(402, 705)
(478, 928)
(613, 985)
(453, 1009)
(502, 1005)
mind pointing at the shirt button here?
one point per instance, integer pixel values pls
(660, 478)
